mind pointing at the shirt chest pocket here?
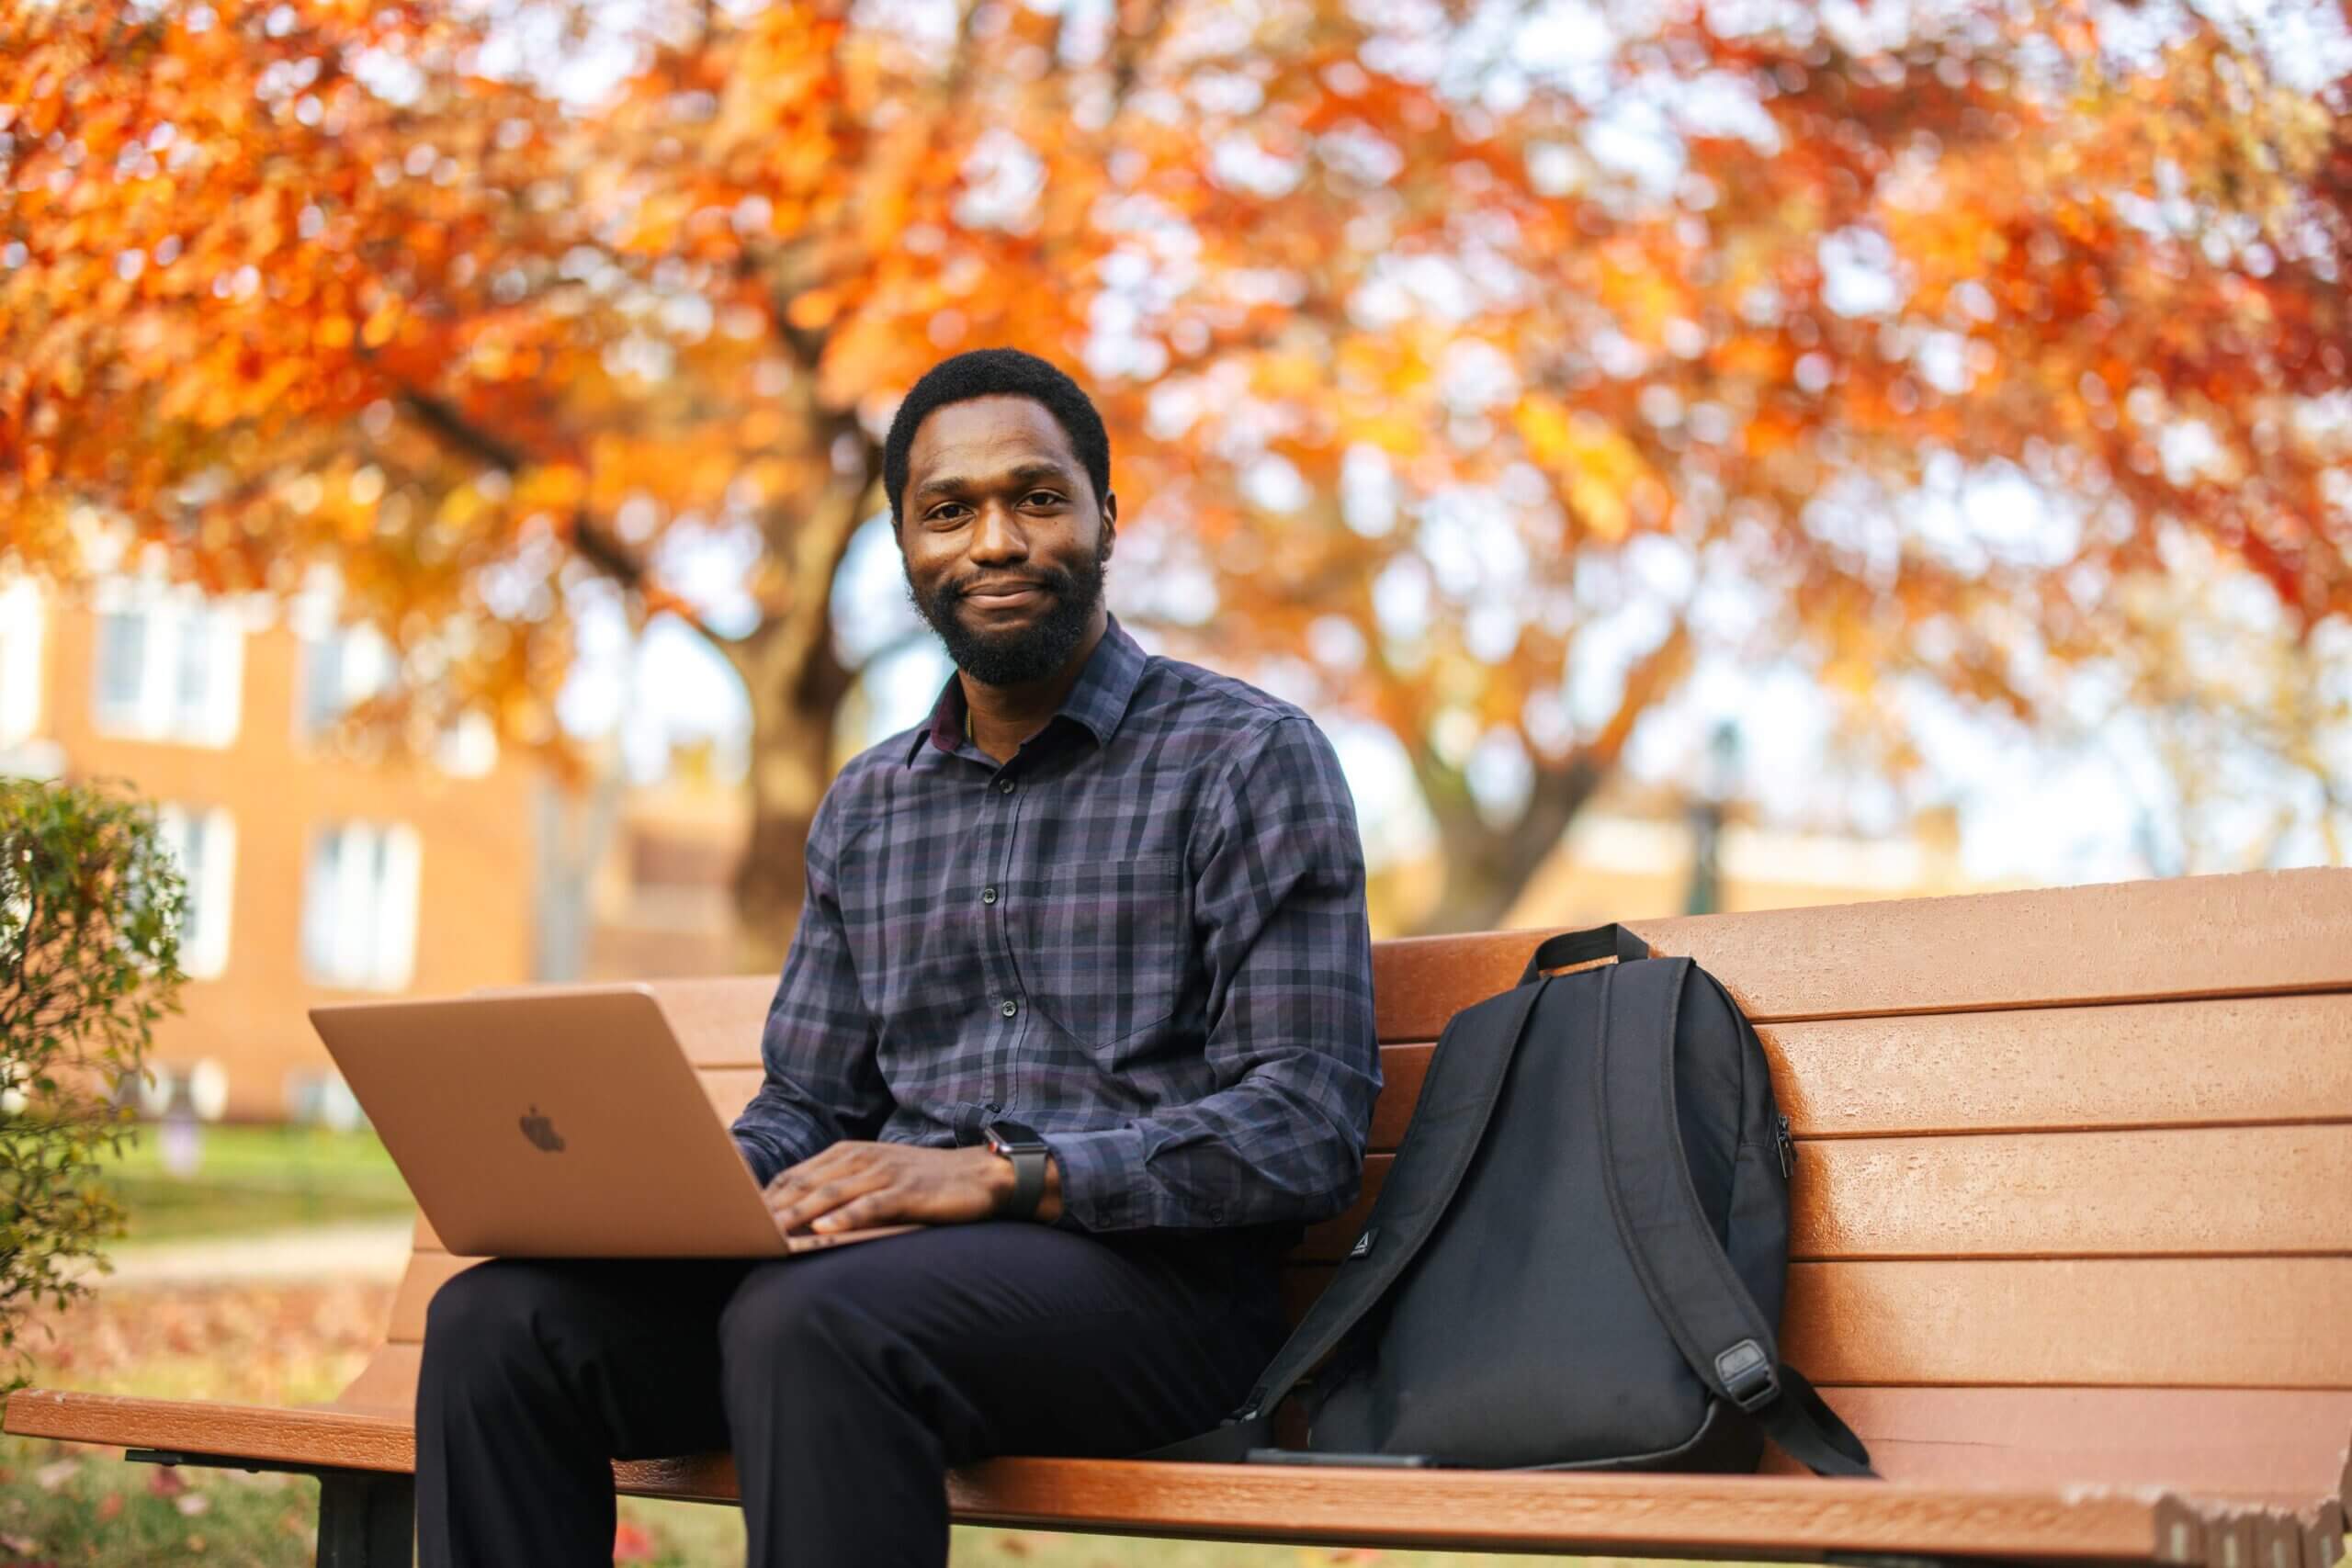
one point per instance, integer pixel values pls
(1103, 949)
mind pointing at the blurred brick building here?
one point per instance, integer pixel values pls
(659, 898)
(316, 874)
(1637, 858)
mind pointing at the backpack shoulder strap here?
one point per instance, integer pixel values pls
(1457, 1100)
(1691, 1284)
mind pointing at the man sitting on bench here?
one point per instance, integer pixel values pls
(1083, 984)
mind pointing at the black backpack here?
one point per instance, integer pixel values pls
(1578, 1258)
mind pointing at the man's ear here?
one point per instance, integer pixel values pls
(1110, 524)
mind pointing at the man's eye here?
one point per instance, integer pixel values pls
(1048, 497)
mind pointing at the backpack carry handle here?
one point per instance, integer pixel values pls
(1583, 947)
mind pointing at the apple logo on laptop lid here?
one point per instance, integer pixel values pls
(541, 1130)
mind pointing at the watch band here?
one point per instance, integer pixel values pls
(1028, 1182)
(1010, 1140)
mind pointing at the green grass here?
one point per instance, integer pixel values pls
(54, 1510)
(250, 1179)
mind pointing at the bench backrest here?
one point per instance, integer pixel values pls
(2053, 1145)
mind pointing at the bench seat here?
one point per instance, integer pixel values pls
(2071, 1249)
(1466, 1510)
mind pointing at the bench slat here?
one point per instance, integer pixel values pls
(1643, 1514)
(2197, 936)
(2194, 1322)
(2134, 1064)
(1654, 1514)
(2207, 1191)
(2242, 1060)
(2199, 1323)
(2224, 1442)
(271, 1433)
(718, 1020)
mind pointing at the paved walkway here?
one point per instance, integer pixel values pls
(376, 1250)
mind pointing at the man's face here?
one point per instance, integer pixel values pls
(1003, 539)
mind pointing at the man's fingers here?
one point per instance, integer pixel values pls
(826, 1164)
(818, 1164)
(826, 1197)
(872, 1208)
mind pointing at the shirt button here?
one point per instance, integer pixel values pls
(1005, 787)
(988, 895)
(1008, 1007)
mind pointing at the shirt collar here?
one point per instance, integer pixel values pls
(1098, 701)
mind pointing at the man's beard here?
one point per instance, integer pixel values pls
(1018, 655)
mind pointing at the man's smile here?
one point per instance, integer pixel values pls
(1003, 595)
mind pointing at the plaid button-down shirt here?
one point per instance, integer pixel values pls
(1143, 936)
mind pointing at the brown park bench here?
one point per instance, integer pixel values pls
(2073, 1252)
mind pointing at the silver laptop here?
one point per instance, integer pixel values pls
(561, 1122)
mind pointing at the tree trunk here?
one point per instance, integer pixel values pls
(1487, 867)
(791, 766)
(797, 684)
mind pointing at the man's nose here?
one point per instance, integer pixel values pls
(998, 536)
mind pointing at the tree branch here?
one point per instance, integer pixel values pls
(454, 430)
(1130, 42)
(589, 539)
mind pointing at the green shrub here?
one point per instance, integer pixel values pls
(90, 911)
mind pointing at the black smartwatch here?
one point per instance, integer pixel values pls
(1028, 1154)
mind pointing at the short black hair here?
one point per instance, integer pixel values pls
(998, 372)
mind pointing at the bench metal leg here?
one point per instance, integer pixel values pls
(366, 1519)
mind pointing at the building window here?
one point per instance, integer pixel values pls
(359, 906)
(467, 747)
(204, 843)
(170, 665)
(341, 667)
(23, 622)
(345, 666)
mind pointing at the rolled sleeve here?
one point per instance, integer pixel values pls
(821, 1082)
(1101, 1173)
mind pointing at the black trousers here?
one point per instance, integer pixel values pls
(846, 1382)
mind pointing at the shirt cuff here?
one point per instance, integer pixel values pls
(1101, 1172)
(763, 1165)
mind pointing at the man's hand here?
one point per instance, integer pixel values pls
(854, 1186)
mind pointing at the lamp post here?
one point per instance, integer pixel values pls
(1718, 783)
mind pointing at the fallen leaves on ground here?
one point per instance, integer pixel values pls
(263, 1343)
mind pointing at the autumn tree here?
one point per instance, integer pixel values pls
(1467, 370)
